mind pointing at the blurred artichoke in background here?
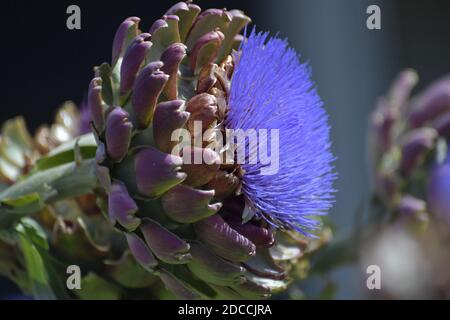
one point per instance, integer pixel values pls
(19, 150)
(208, 229)
(410, 169)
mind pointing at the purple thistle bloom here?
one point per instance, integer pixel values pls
(271, 89)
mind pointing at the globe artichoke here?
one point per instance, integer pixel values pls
(212, 161)
(206, 229)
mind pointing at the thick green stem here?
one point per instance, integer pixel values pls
(36, 191)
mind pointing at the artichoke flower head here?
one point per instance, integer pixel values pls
(214, 228)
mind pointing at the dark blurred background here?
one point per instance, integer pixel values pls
(43, 64)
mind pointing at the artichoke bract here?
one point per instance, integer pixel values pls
(201, 226)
